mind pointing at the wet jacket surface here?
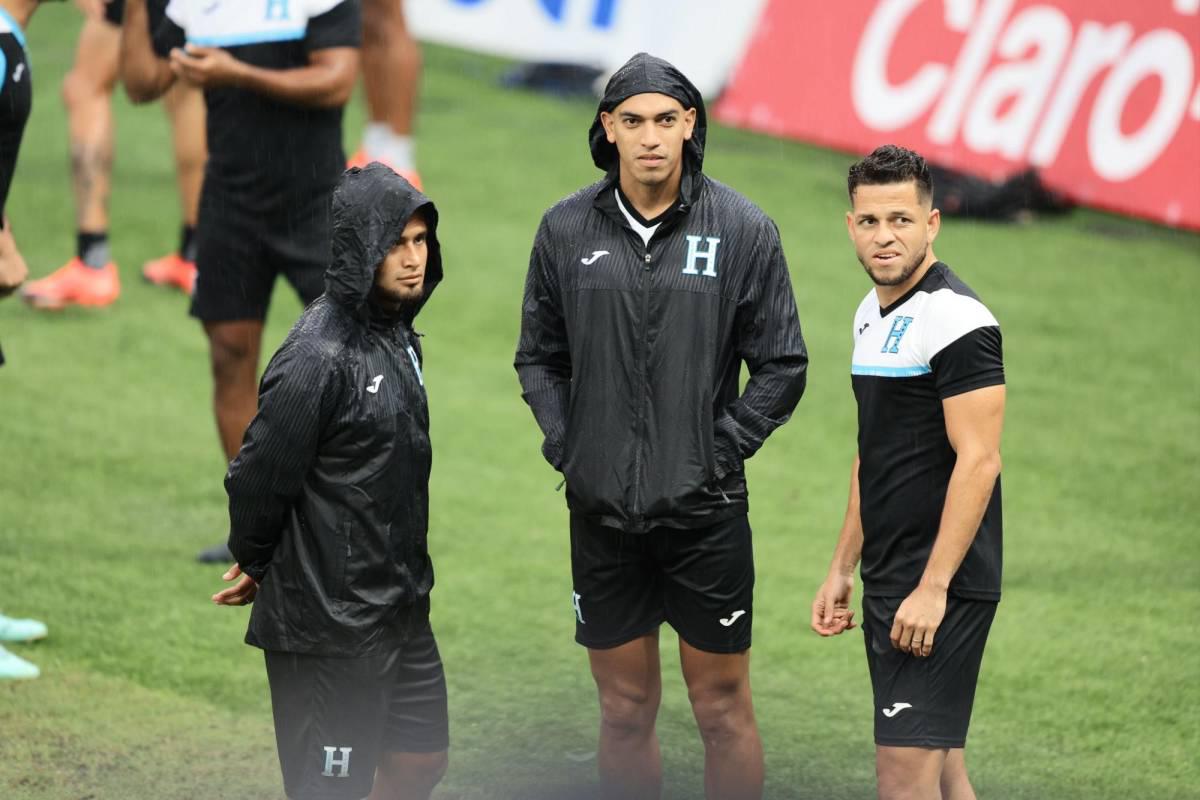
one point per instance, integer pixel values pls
(328, 497)
(630, 354)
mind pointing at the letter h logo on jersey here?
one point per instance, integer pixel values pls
(343, 763)
(899, 326)
(277, 10)
(709, 256)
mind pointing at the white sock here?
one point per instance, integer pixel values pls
(379, 142)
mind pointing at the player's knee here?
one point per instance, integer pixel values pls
(382, 22)
(428, 769)
(230, 352)
(628, 712)
(722, 712)
(899, 781)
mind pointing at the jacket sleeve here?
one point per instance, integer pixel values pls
(543, 359)
(295, 402)
(767, 337)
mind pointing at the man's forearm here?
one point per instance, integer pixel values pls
(316, 85)
(848, 551)
(144, 75)
(970, 489)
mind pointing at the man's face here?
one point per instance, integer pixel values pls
(400, 277)
(892, 229)
(649, 131)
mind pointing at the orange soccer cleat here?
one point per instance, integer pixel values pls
(360, 160)
(171, 270)
(76, 284)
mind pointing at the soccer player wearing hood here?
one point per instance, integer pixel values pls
(646, 293)
(328, 512)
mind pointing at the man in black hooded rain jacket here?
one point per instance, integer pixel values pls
(645, 294)
(328, 509)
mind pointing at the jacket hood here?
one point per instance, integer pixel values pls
(643, 74)
(371, 206)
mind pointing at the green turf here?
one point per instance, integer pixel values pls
(110, 480)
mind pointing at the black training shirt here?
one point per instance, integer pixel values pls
(935, 342)
(257, 144)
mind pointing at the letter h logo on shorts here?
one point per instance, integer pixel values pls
(331, 762)
(709, 256)
(899, 326)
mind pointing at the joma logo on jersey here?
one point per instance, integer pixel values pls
(899, 326)
(342, 763)
(709, 256)
(277, 10)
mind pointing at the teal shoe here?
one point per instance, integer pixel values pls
(15, 668)
(21, 630)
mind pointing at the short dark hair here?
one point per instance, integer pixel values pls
(891, 164)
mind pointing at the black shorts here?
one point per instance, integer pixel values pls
(334, 717)
(16, 98)
(700, 581)
(241, 249)
(926, 702)
(114, 12)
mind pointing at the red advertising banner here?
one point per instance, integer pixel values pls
(1101, 97)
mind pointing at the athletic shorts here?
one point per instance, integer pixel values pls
(700, 581)
(114, 12)
(926, 702)
(16, 98)
(335, 717)
(241, 249)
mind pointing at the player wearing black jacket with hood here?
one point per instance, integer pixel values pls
(645, 294)
(328, 509)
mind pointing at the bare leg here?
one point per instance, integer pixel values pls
(408, 776)
(185, 109)
(233, 351)
(391, 65)
(87, 93)
(909, 773)
(955, 783)
(719, 689)
(629, 681)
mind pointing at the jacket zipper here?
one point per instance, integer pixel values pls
(645, 365)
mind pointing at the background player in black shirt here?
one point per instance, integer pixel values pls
(276, 76)
(924, 509)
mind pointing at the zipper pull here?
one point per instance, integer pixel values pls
(647, 256)
(561, 484)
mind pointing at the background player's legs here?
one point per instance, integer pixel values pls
(233, 350)
(408, 776)
(719, 690)
(909, 773)
(391, 75)
(185, 110)
(629, 680)
(955, 783)
(87, 94)
(90, 278)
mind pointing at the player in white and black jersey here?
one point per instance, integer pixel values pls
(924, 509)
(276, 75)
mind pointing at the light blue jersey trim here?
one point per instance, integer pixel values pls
(16, 29)
(258, 37)
(889, 372)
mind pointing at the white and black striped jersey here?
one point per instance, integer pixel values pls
(936, 341)
(258, 145)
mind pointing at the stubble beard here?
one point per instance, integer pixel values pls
(905, 273)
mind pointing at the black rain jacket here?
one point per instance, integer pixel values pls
(328, 497)
(630, 354)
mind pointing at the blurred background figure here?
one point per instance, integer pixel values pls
(90, 277)
(391, 61)
(12, 666)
